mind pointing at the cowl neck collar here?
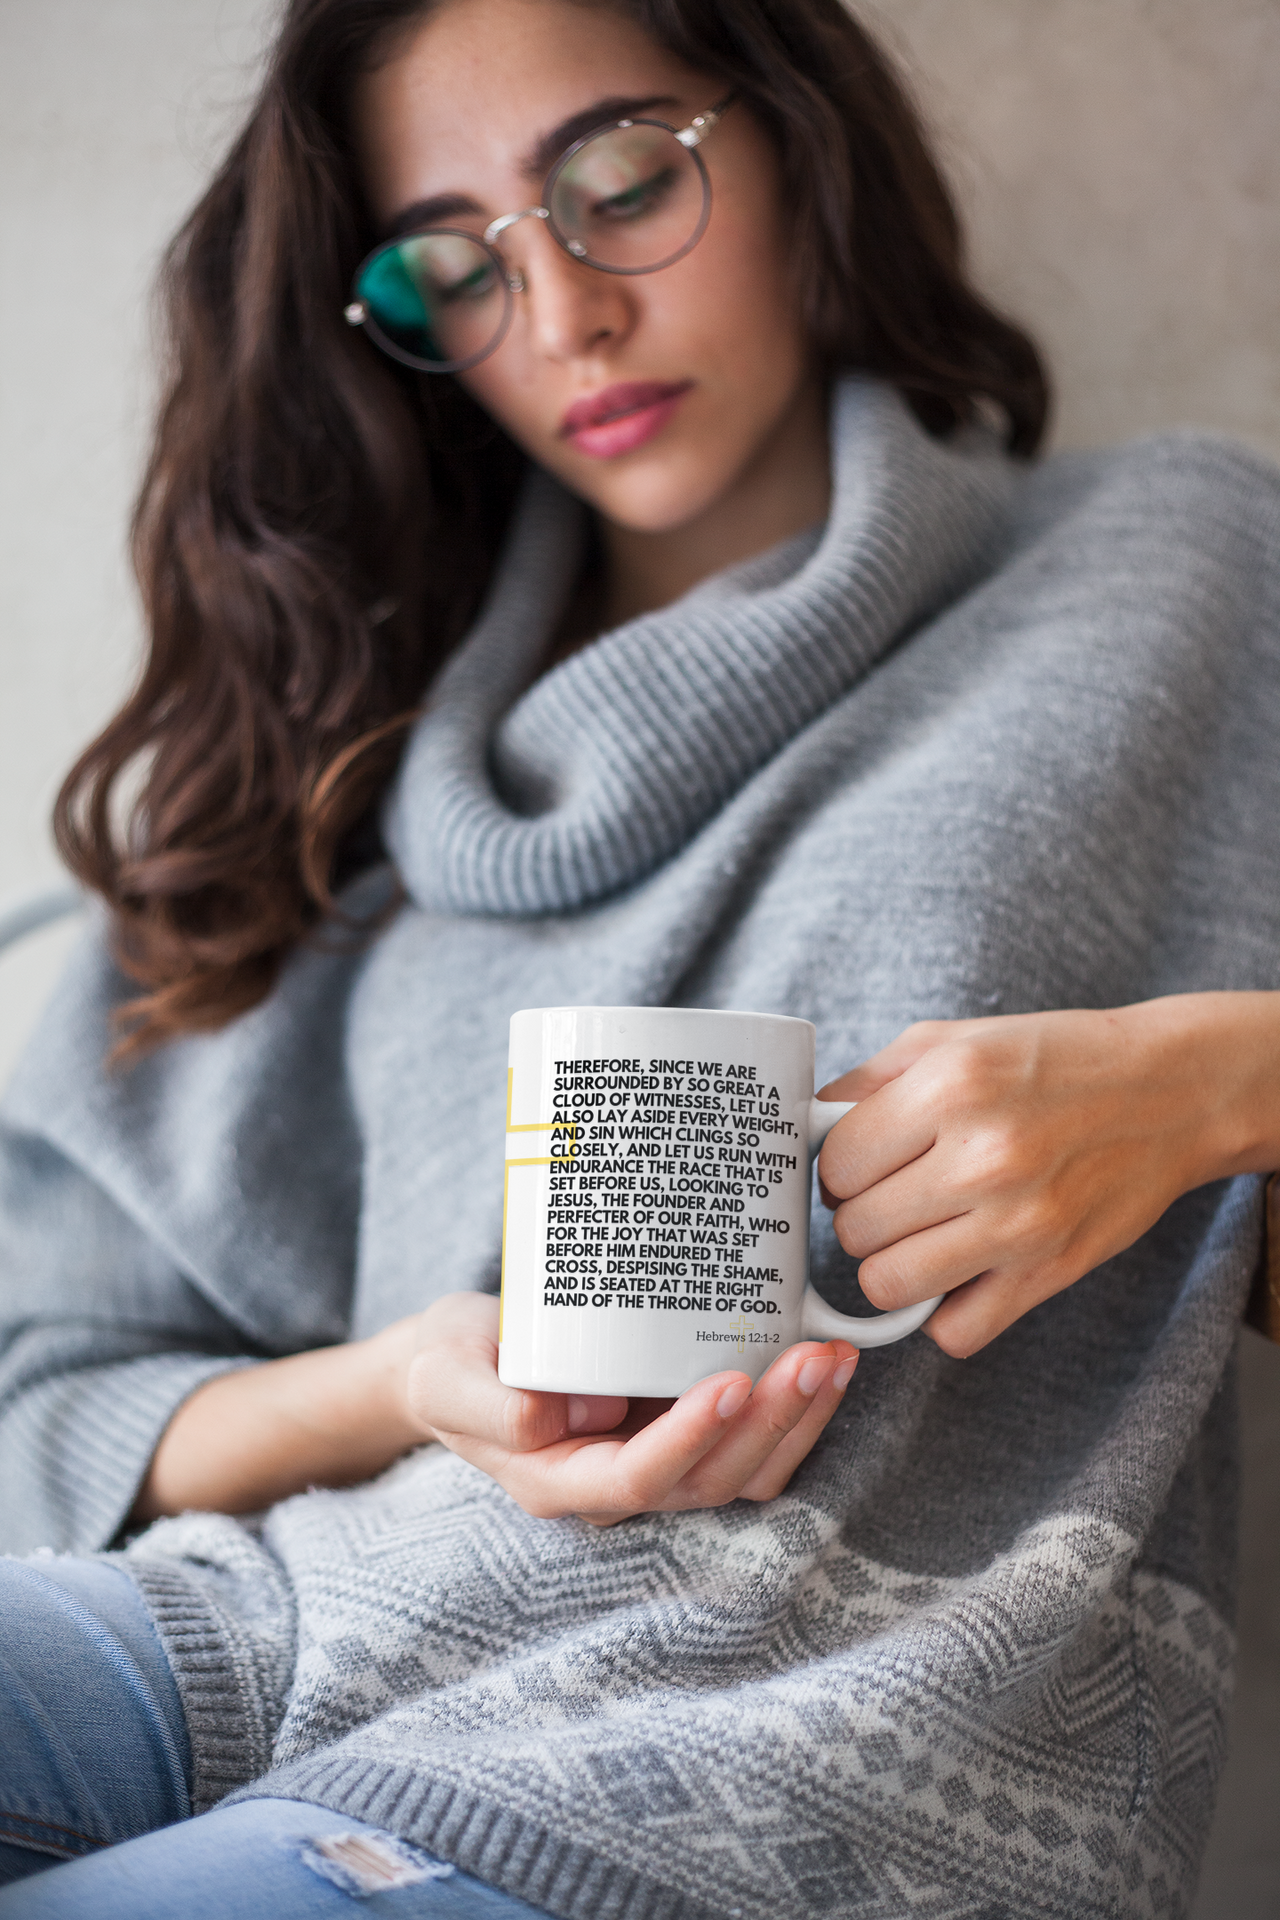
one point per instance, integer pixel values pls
(524, 795)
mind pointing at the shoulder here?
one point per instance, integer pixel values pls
(237, 1150)
(66, 1086)
(1162, 484)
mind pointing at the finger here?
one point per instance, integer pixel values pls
(544, 1482)
(453, 1386)
(595, 1412)
(663, 1453)
(644, 1412)
(779, 1402)
(772, 1477)
(973, 1315)
(887, 1130)
(915, 1198)
(891, 1061)
(715, 1481)
(935, 1261)
(615, 1477)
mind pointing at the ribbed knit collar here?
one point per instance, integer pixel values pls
(519, 798)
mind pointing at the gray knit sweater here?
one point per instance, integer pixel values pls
(991, 741)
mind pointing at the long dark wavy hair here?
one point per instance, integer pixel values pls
(316, 525)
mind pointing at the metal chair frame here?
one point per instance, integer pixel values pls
(35, 910)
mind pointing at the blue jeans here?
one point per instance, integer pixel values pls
(94, 1801)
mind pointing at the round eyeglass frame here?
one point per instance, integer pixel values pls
(358, 314)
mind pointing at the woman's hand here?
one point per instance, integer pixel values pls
(607, 1459)
(341, 1414)
(999, 1160)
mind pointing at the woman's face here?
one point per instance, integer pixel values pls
(466, 101)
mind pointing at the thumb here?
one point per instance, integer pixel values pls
(453, 1388)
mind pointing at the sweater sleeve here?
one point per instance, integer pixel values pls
(101, 1339)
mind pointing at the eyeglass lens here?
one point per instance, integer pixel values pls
(630, 199)
(436, 298)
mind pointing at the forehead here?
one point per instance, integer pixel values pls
(462, 100)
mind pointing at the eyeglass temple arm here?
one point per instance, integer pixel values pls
(702, 123)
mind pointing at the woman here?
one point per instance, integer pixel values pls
(663, 472)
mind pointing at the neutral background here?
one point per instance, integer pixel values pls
(1120, 166)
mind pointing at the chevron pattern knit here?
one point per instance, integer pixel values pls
(989, 741)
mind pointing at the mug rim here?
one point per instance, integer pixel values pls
(692, 1013)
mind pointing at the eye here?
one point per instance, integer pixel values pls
(645, 197)
(472, 286)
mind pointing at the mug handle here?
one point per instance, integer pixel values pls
(818, 1321)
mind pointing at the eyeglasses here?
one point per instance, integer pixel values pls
(631, 197)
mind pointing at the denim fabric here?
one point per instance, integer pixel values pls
(260, 1860)
(94, 1771)
(93, 1748)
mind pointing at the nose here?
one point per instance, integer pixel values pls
(569, 309)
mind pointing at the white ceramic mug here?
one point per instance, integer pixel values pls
(655, 1222)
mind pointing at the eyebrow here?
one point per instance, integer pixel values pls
(544, 154)
(535, 166)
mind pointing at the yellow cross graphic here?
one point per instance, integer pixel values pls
(738, 1326)
(568, 1128)
(560, 1131)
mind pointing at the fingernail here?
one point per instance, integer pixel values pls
(579, 1413)
(843, 1375)
(732, 1398)
(813, 1373)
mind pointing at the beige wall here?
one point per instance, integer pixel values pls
(1118, 159)
(1119, 165)
(111, 111)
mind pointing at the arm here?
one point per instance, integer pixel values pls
(340, 1414)
(125, 1393)
(127, 1282)
(101, 1337)
(1000, 1160)
(246, 1439)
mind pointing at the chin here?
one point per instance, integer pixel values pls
(661, 497)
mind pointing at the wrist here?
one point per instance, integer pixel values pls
(1215, 1059)
(384, 1364)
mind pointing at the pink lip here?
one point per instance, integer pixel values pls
(621, 417)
